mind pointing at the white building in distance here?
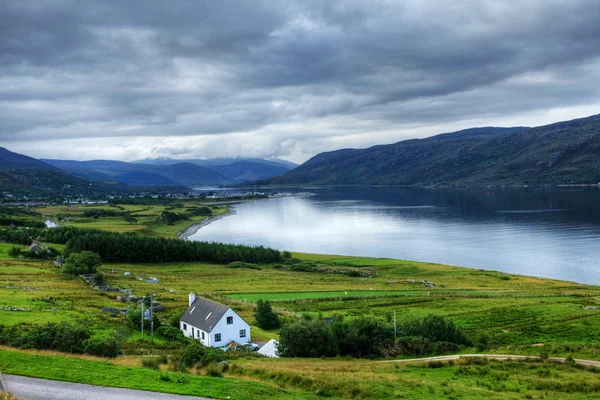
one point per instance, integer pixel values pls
(213, 324)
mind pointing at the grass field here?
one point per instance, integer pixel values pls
(145, 217)
(524, 315)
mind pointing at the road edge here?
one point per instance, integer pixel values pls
(3, 384)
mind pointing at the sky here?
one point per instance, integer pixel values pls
(114, 79)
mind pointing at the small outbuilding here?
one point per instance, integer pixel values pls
(35, 247)
(269, 349)
(212, 323)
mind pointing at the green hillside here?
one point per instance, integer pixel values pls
(561, 153)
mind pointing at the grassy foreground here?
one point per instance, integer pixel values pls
(105, 373)
(519, 315)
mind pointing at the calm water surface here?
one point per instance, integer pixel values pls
(551, 233)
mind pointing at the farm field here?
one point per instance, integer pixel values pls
(518, 314)
(145, 218)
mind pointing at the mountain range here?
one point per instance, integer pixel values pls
(170, 172)
(20, 174)
(561, 153)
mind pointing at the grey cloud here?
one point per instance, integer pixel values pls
(247, 71)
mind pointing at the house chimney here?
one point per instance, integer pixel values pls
(192, 298)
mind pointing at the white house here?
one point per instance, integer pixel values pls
(214, 324)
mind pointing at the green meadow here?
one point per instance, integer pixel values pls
(518, 314)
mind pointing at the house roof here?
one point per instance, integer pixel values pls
(204, 314)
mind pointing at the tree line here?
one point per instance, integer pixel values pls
(132, 248)
(369, 337)
(8, 221)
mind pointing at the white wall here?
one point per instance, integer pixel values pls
(197, 333)
(229, 332)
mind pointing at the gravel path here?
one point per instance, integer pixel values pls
(492, 356)
(43, 389)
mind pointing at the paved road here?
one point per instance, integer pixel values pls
(492, 356)
(43, 389)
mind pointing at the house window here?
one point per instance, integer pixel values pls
(202, 335)
(217, 337)
(242, 333)
(198, 332)
(184, 327)
(229, 320)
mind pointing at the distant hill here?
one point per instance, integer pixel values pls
(20, 174)
(560, 153)
(243, 171)
(180, 174)
(16, 161)
(209, 162)
(137, 178)
(233, 170)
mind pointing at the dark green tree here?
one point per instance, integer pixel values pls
(306, 338)
(264, 315)
(85, 262)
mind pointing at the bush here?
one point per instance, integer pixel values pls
(264, 315)
(174, 320)
(14, 252)
(65, 337)
(134, 318)
(240, 264)
(151, 363)
(435, 364)
(214, 370)
(435, 328)
(98, 279)
(102, 347)
(194, 354)
(164, 377)
(85, 262)
(200, 211)
(306, 338)
(362, 337)
(170, 333)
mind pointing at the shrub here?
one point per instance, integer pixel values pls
(171, 333)
(151, 363)
(435, 364)
(201, 211)
(14, 252)
(102, 347)
(214, 370)
(65, 337)
(85, 262)
(194, 354)
(174, 320)
(134, 318)
(362, 337)
(306, 338)
(264, 315)
(164, 377)
(241, 264)
(435, 328)
(98, 279)
(303, 267)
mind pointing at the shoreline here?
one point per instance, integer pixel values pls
(195, 227)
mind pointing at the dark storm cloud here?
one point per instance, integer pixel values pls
(286, 78)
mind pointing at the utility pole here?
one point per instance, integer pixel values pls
(394, 324)
(143, 318)
(151, 319)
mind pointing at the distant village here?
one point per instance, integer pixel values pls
(9, 199)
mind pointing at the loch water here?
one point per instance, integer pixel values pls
(546, 232)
